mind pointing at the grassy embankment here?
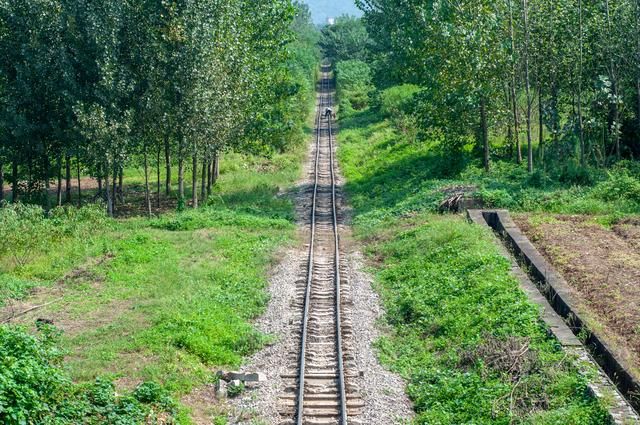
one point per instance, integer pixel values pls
(462, 333)
(166, 300)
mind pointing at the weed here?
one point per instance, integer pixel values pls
(35, 389)
(235, 390)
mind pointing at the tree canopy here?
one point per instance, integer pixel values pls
(100, 84)
(561, 76)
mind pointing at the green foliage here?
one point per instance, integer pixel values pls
(28, 232)
(105, 84)
(449, 296)
(235, 390)
(209, 217)
(453, 305)
(353, 79)
(397, 103)
(619, 186)
(157, 300)
(346, 40)
(553, 75)
(389, 176)
(30, 377)
(397, 100)
(35, 389)
(212, 330)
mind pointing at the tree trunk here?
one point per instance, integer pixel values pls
(216, 167)
(121, 184)
(14, 181)
(47, 182)
(514, 97)
(100, 176)
(555, 114)
(637, 31)
(638, 110)
(109, 197)
(209, 176)
(1, 181)
(525, 11)
(29, 172)
(167, 162)
(59, 188)
(181, 170)
(617, 125)
(114, 188)
(203, 181)
(67, 176)
(159, 154)
(147, 189)
(541, 132)
(194, 180)
(511, 140)
(79, 181)
(484, 130)
(613, 74)
(583, 155)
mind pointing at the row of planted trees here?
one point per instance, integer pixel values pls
(91, 87)
(561, 78)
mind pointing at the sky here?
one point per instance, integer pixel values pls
(323, 9)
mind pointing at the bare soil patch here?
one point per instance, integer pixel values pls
(602, 268)
(51, 303)
(203, 404)
(42, 297)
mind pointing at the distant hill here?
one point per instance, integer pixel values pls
(323, 9)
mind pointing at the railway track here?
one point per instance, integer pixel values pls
(320, 389)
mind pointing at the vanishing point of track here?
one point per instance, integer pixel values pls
(318, 393)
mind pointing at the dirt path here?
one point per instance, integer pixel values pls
(381, 392)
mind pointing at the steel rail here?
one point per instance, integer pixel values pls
(341, 384)
(323, 101)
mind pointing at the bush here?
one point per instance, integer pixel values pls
(397, 100)
(27, 229)
(354, 82)
(396, 103)
(620, 186)
(23, 229)
(30, 379)
(34, 388)
(575, 174)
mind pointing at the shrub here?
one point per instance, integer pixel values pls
(30, 379)
(619, 186)
(354, 82)
(396, 103)
(27, 229)
(35, 389)
(496, 198)
(397, 100)
(575, 174)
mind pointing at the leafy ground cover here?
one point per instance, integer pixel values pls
(166, 300)
(461, 331)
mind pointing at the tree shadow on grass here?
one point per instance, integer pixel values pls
(406, 177)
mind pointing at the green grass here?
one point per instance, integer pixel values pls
(168, 299)
(390, 177)
(453, 307)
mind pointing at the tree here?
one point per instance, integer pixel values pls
(347, 39)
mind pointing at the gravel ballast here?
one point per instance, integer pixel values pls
(382, 391)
